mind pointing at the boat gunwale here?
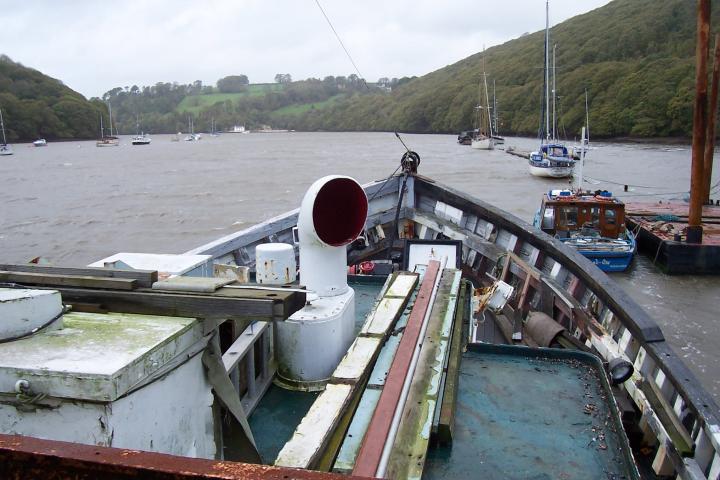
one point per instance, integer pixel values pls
(630, 314)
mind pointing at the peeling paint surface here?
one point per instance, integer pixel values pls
(95, 356)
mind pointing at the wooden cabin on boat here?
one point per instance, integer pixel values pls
(564, 212)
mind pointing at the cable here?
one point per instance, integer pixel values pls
(342, 45)
(384, 183)
(63, 310)
(655, 194)
(616, 183)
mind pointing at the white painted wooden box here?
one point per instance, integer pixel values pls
(118, 380)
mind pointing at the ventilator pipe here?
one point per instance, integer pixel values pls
(332, 215)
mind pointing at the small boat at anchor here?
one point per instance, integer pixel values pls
(5, 149)
(482, 138)
(40, 142)
(140, 138)
(552, 159)
(107, 140)
(593, 223)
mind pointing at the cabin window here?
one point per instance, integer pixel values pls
(595, 216)
(569, 216)
(610, 217)
(548, 220)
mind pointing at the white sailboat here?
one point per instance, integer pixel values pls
(552, 159)
(192, 136)
(107, 140)
(213, 132)
(5, 149)
(482, 138)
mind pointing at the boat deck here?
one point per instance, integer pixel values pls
(513, 403)
(280, 411)
(660, 230)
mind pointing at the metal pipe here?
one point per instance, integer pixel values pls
(694, 231)
(712, 119)
(390, 440)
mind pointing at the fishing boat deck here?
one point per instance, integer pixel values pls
(512, 404)
(280, 411)
(661, 232)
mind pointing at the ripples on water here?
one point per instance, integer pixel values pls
(75, 203)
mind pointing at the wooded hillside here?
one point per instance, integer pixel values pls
(35, 105)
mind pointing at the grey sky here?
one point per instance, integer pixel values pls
(93, 46)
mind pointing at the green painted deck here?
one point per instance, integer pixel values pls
(520, 415)
(280, 411)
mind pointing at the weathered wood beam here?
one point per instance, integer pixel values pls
(446, 424)
(230, 304)
(143, 278)
(46, 279)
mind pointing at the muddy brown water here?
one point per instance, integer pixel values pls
(74, 203)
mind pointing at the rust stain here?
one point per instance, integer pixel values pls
(30, 458)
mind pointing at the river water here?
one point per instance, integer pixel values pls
(74, 203)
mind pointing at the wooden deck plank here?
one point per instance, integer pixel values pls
(145, 278)
(368, 458)
(446, 423)
(413, 435)
(306, 445)
(50, 279)
(234, 305)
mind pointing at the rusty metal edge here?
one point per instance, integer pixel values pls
(30, 458)
(368, 457)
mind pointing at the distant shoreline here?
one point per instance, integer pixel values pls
(637, 140)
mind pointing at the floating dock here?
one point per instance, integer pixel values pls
(518, 153)
(661, 229)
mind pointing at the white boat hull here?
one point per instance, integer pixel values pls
(551, 172)
(485, 144)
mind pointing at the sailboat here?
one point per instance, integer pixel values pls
(140, 138)
(107, 140)
(553, 158)
(213, 132)
(5, 149)
(192, 136)
(482, 137)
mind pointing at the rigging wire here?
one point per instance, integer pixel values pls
(622, 184)
(654, 194)
(362, 78)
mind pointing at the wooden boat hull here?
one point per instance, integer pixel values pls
(662, 398)
(556, 279)
(484, 144)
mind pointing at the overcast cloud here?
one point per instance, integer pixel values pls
(93, 46)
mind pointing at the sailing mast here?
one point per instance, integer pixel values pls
(495, 118)
(547, 70)
(110, 115)
(487, 100)
(2, 126)
(554, 95)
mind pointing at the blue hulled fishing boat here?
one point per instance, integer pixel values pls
(593, 223)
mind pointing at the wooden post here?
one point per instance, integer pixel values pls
(712, 118)
(697, 183)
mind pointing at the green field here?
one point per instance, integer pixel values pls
(195, 103)
(304, 107)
